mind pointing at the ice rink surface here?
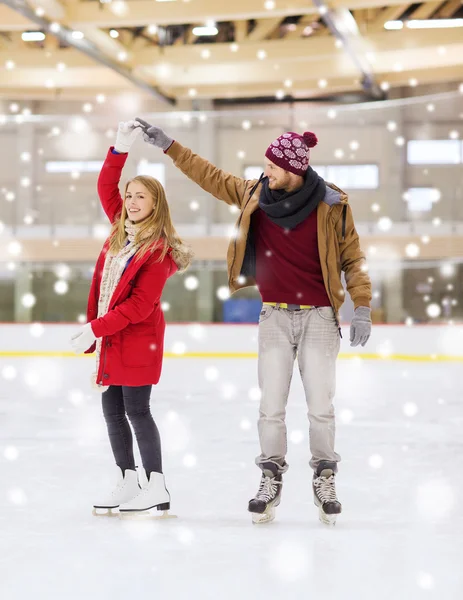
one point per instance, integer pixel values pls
(400, 537)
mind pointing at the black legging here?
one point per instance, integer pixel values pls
(120, 402)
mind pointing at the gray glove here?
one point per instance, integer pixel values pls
(360, 328)
(155, 135)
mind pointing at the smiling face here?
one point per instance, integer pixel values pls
(279, 179)
(139, 202)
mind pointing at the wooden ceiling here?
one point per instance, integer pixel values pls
(263, 49)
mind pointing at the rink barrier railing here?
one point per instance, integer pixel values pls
(244, 355)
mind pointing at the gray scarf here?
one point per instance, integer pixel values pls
(289, 209)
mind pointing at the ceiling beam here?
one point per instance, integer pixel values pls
(391, 13)
(299, 52)
(241, 31)
(449, 9)
(426, 10)
(263, 29)
(139, 13)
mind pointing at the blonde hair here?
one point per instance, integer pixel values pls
(157, 226)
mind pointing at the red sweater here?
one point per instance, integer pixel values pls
(288, 263)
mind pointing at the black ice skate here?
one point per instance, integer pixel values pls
(324, 491)
(267, 498)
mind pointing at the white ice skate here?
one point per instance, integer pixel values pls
(154, 495)
(126, 489)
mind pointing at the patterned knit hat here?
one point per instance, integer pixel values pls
(291, 151)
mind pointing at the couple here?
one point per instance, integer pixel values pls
(295, 233)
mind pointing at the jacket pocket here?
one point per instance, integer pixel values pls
(139, 350)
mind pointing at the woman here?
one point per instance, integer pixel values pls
(126, 323)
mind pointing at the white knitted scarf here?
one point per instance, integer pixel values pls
(113, 270)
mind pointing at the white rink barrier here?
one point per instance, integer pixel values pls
(428, 343)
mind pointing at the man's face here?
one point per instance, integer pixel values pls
(278, 178)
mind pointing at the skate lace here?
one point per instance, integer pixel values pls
(325, 488)
(267, 489)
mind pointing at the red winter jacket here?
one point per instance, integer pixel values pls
(133, 328)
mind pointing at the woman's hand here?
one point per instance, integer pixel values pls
(83, 340)
(127, 133)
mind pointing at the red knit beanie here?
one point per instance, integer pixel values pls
(291, 151)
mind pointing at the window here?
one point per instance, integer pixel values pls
(434, 152)
(156, 170)
(71, 166)
(421, 199)
(348, 177)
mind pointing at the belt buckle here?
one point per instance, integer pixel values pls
(294, 307)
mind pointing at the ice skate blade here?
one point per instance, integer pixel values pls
(109, 512)
(145, 515)
(266, 517)
(329, 520)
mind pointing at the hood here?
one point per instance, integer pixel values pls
(182, 255)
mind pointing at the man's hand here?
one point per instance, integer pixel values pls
(360, 329)
(155, 135)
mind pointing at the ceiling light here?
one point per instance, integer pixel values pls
(442, 50)
(398, 67)
(87, 107)
(234, 47)
(49, 84)
(10, 65)
(454, 135)
(393, 25)
(77, 35)
(192, 93)
(39, 11)
(246, 125)
(152, 29)
(205, 31)
(206, 53)
(322, 83)
(280, 94)
(338, 44)
(101, 98)
(26, 112)
(114, 34)
(385, 86)
(55, 27)
(354, 145)
(400, 141)
(413, 82)
(261, 54)
(339, 153)
(392, 126)
(269, 4)
(122, 55)
(32, 36)
(434, 23)
(431, 108)
(288, 83)
(61, 66)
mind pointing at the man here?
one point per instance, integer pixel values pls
(294, 235)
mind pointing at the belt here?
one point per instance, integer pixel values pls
(289, 306)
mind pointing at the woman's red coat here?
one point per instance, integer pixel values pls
(133, 328)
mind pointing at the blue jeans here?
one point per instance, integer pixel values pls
(120, 402)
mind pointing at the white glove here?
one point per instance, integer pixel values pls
(127, 133)
(83, 340)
